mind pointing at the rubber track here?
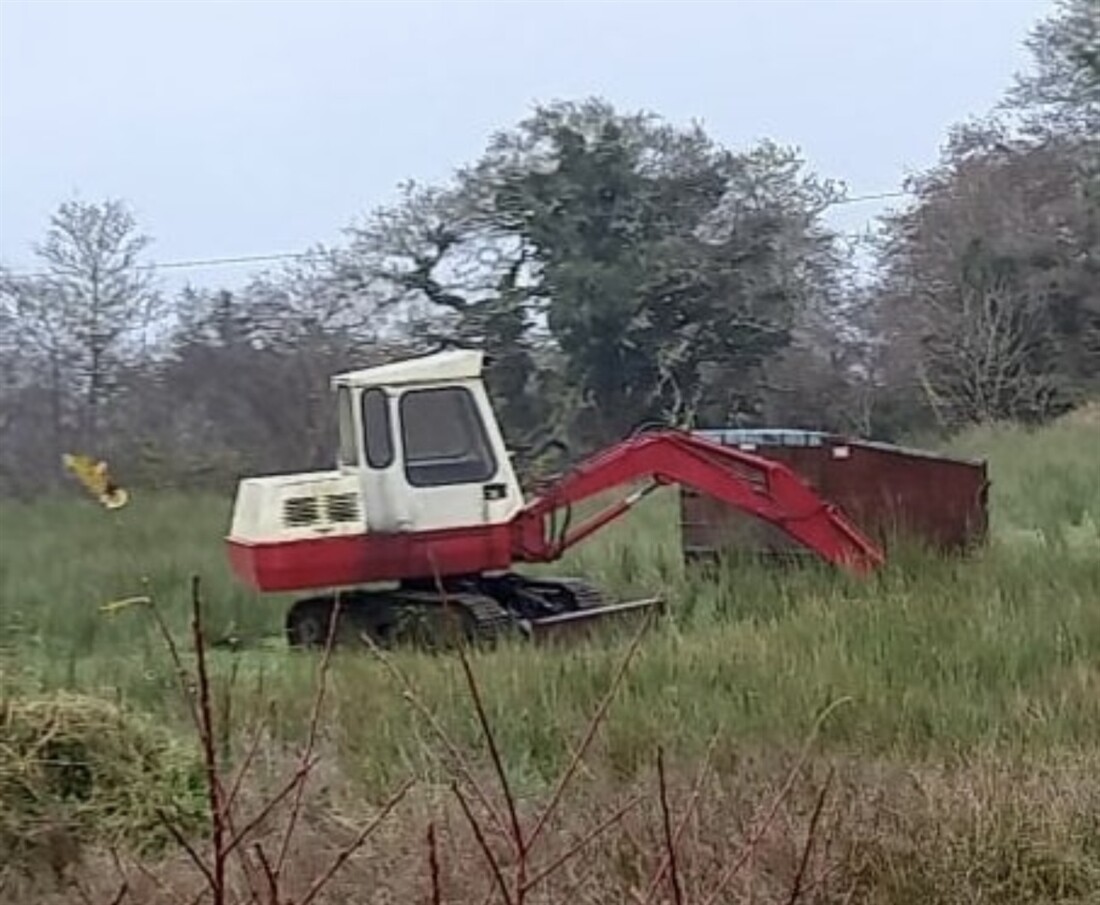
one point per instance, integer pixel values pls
(490, 619)
(585, 595)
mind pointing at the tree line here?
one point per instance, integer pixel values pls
(618, 271)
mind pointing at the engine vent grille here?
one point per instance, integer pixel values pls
(334, 508)
(299, 511)
(342, 507)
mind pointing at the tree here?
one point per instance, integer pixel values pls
(989, 288)
(245, 382)
(1061, 94)
(793, 290)
(87, 313)
(615, 269)
(667, 269)
(827, 378)
(988, 346)
(23, 428)
(448, 274)
(989, 285)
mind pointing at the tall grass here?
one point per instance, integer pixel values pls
(965, 740)
(936, 656)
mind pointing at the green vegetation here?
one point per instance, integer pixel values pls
(936, 656)
(979, 677)
(75, 767)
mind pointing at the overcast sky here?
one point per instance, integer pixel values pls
(237, 128)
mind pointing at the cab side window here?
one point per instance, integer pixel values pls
(346, 425)
(377, 430)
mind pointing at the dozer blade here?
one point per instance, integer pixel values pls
(581, 622)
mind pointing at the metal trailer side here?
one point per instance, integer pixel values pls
(891, 492)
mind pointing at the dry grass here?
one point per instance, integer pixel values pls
(939, 834)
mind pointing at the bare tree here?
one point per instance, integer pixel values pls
(40, 355)
(89, 311)
(13, 367)
(987, 348)
(439, 261)
(990, 278)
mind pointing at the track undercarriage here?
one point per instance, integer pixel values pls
(471, 609)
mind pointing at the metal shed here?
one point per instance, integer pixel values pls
(890, 491)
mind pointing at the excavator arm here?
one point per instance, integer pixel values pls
(755, 485)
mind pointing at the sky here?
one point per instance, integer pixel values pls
(250, 128)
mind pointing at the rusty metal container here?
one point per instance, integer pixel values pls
(891, 492)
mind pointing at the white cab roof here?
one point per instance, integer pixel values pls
(453, 364)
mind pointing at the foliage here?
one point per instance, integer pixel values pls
(659, 256)
(74, 767)
(1061, 95)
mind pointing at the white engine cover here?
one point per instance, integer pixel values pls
(298, 506)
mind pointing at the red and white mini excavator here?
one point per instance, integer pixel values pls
(422, 520)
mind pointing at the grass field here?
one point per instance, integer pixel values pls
(965, 734)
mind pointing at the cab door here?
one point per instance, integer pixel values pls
(455, 470)
(382, 480)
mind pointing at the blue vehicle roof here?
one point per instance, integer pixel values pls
(797, 437)
(767, 436)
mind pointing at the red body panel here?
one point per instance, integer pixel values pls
(760, 487)
(363, 558)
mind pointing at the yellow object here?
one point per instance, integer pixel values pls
(97, 480)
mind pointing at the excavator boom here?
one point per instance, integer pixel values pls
(758, 486)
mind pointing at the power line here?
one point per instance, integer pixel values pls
(878, 196)
(197, 263)
(242, 259)
(200, 262)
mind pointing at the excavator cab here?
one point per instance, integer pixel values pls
(422, 440)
